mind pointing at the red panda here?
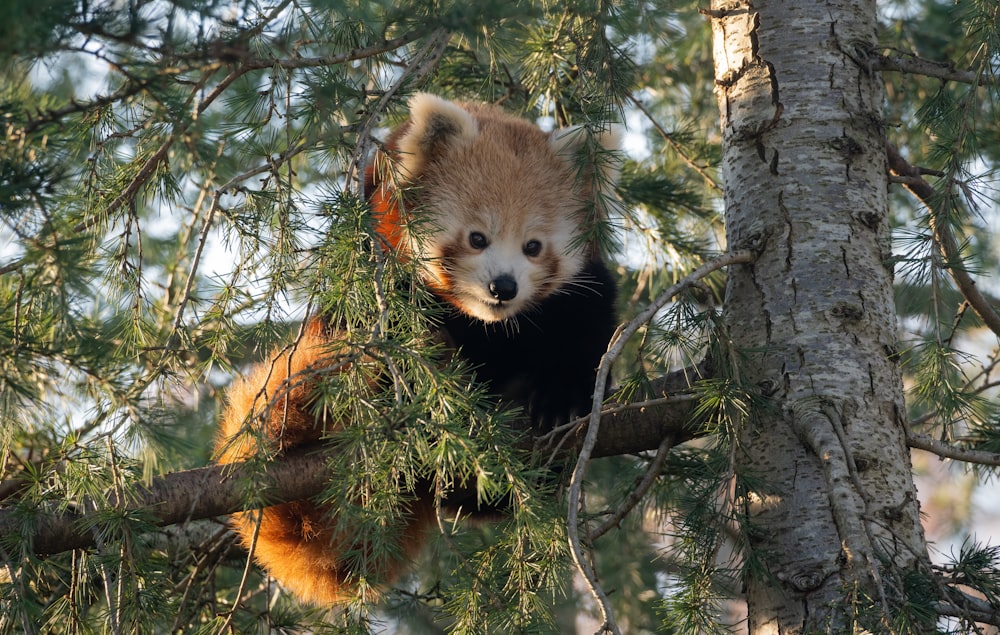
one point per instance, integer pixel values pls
(527, 300)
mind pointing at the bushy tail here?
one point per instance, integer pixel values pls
(300, 543)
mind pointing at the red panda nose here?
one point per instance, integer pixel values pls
(503, 288)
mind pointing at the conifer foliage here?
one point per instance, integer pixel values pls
(181, 185)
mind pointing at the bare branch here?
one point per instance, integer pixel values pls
(906, 63)
(819, 425)
(948, 451)
(965, 606)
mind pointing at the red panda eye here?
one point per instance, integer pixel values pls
(478, 241)
(532, 248)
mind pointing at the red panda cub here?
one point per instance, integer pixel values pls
(526, 299)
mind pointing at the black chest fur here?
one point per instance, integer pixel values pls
(545, 361)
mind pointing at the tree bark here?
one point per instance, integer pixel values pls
(836, 523)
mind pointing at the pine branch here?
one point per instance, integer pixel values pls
(220, 489)
(74, 107)
(913, 180)
(176, 498)
(677, 147)
(241, 66)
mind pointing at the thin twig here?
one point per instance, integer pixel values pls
(944, 238)
(615, 348)
(669, 138)
(637, 494)
(246, 574)
(421, 64)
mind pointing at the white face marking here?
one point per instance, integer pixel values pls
(500, 280)
(501, 260)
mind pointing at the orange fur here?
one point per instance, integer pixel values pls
(297, 541)
(476, 169)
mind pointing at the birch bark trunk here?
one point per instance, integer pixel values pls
(837, 523)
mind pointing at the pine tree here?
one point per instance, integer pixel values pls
(833, 530)
(805, 243)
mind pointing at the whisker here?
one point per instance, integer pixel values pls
(526, 316)
(577, 285)
(512, 326)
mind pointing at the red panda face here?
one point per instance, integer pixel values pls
(494, 205)
(494, 260)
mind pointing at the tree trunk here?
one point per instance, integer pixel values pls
(836, 523)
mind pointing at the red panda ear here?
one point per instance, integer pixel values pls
(436, 125)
